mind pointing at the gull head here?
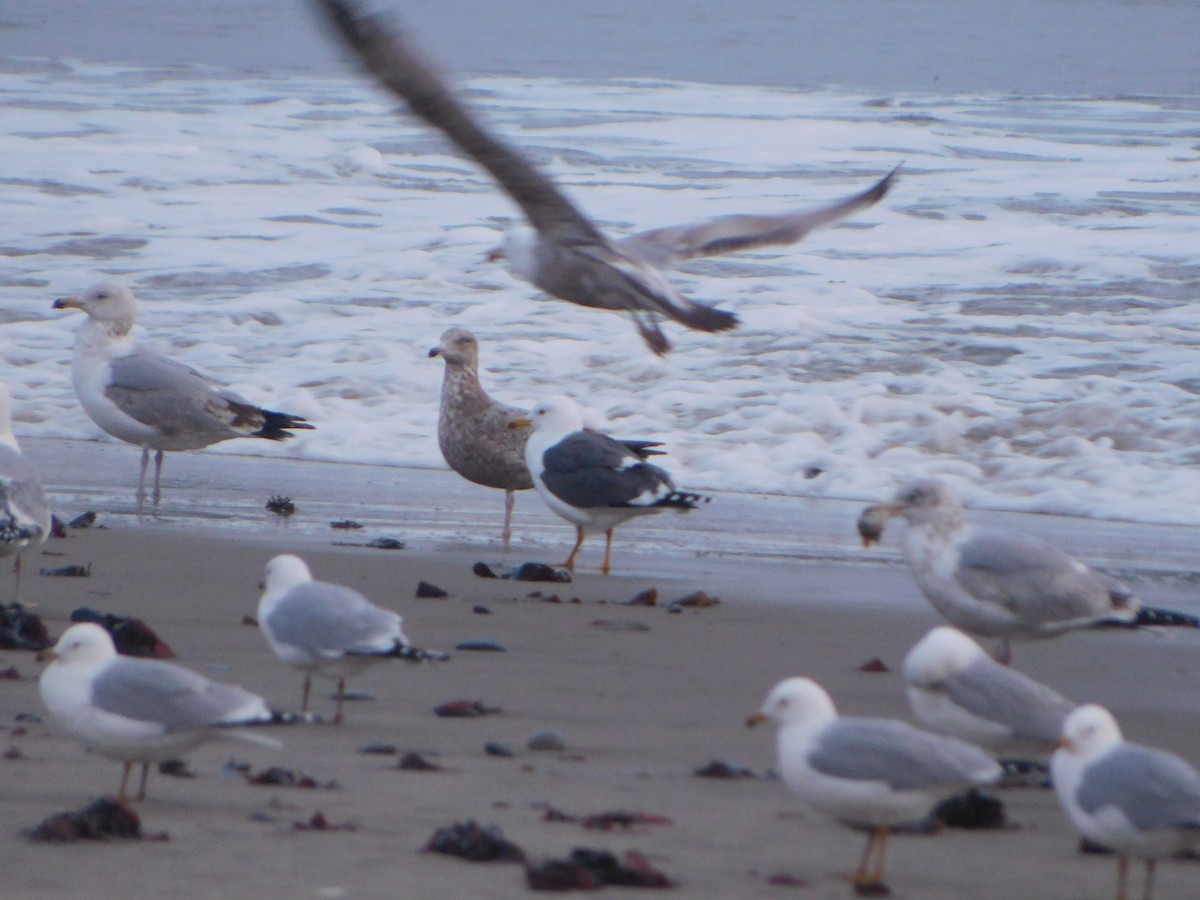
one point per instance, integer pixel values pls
(924, 502)
(108, 302)
(1088, 731)
(284, 572)
(520, 249)
(943, 652)
(85, 644)
(796, 701)
(555, 415)
(458, 347)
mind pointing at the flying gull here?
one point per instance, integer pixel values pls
(473, 431)
(149, 400)
(592, 480)
(955, 688)
(1001, 584)
(24, 515)
(565, 254)
(327, 629)
(867, 773)
(141, 710)
(1135, 800)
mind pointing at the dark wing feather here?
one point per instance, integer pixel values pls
(589, 470)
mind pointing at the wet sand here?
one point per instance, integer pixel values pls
(642, 701)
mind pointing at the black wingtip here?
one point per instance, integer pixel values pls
(1149, 615)
(278, 426)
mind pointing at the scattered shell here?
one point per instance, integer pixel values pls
(493, 748)
(483, 570)
(73, 571)
(379, 749)
(83, 520)
(353, 695)
(787, 879)
(13, 753)
(175, 768)
(345, 525)
(249, 620)
(415, 762)
(487, 646)
(475, 843)
(10, 674)
(318, 822)
(100, 820)
(648, 597)
(431, 591)
(534, 571)
(280, 505)
(607, 821)
(621, 625)
(719, 768)
(481, 610)
(21, 629)
(874, 665)
(464, 709)
(590, 869)
(547, 739)
(277, 776)
(972, 810)
(694, 600)
(386, 543)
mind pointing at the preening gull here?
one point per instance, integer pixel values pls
(141, 710)
(325, 629)
(995, 583)
(955, 688)
(867, 773)
(148, 400)
(1138, 801)
(565, 254)
(473, 431)
(24, 515)
(592, 480)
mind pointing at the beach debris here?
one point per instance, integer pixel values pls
(280, 505)
(71, 571)
(588, 870)
(1024, 773)
(175, 768)
(101, 820)
(10, 674)
(83, 520)
(21, 629)
(482, 646)
(57, 529)
(495, 748)
(648, 597)
(475, 843)
(481, 610)
(13, 753)
(694, 600)
(352, 695)
(415, 762)
(385, 543)
(131, 636)
(620, 625)
(249, 620)
(277, 776)
(318, 822)
(425, 590)
(607, 821)
(971, 810)
(787, 879)
(529, 571)
(379, 749)
(464, 709)
(874, 665)
(719, 768)
(547, 739)
(346, 525)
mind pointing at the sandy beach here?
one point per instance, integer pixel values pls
(642, 697)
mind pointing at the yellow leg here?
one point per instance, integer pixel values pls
(604, 569)
(861, 874)
(569, 565)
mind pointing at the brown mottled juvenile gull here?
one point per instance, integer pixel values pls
(594, 481)
(995, 583)
(565, 254)
(141, 710)
(473, 429)
(955, 688)
(1137, 801)
(866, 773)
(149, 400)
(24, 515)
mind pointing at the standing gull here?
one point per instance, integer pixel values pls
(326, 629)
(24, 515)
(565, 254)
(1138, 801)
(995, 583)
(594, 481)
(955, 688)
(140, 710)
(148, 400)
(867, 773)
(473, 429)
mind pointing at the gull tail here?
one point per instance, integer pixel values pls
(275, 425)
(680, 500)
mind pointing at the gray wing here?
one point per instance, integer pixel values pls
(664, 247)
(588, 470)
(23, 508)
(167, 395)
(329, 618)
(1153, 788)
(168, 695)
(903, 757)
(1035, 580)
(392, 57)
(999, 694)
